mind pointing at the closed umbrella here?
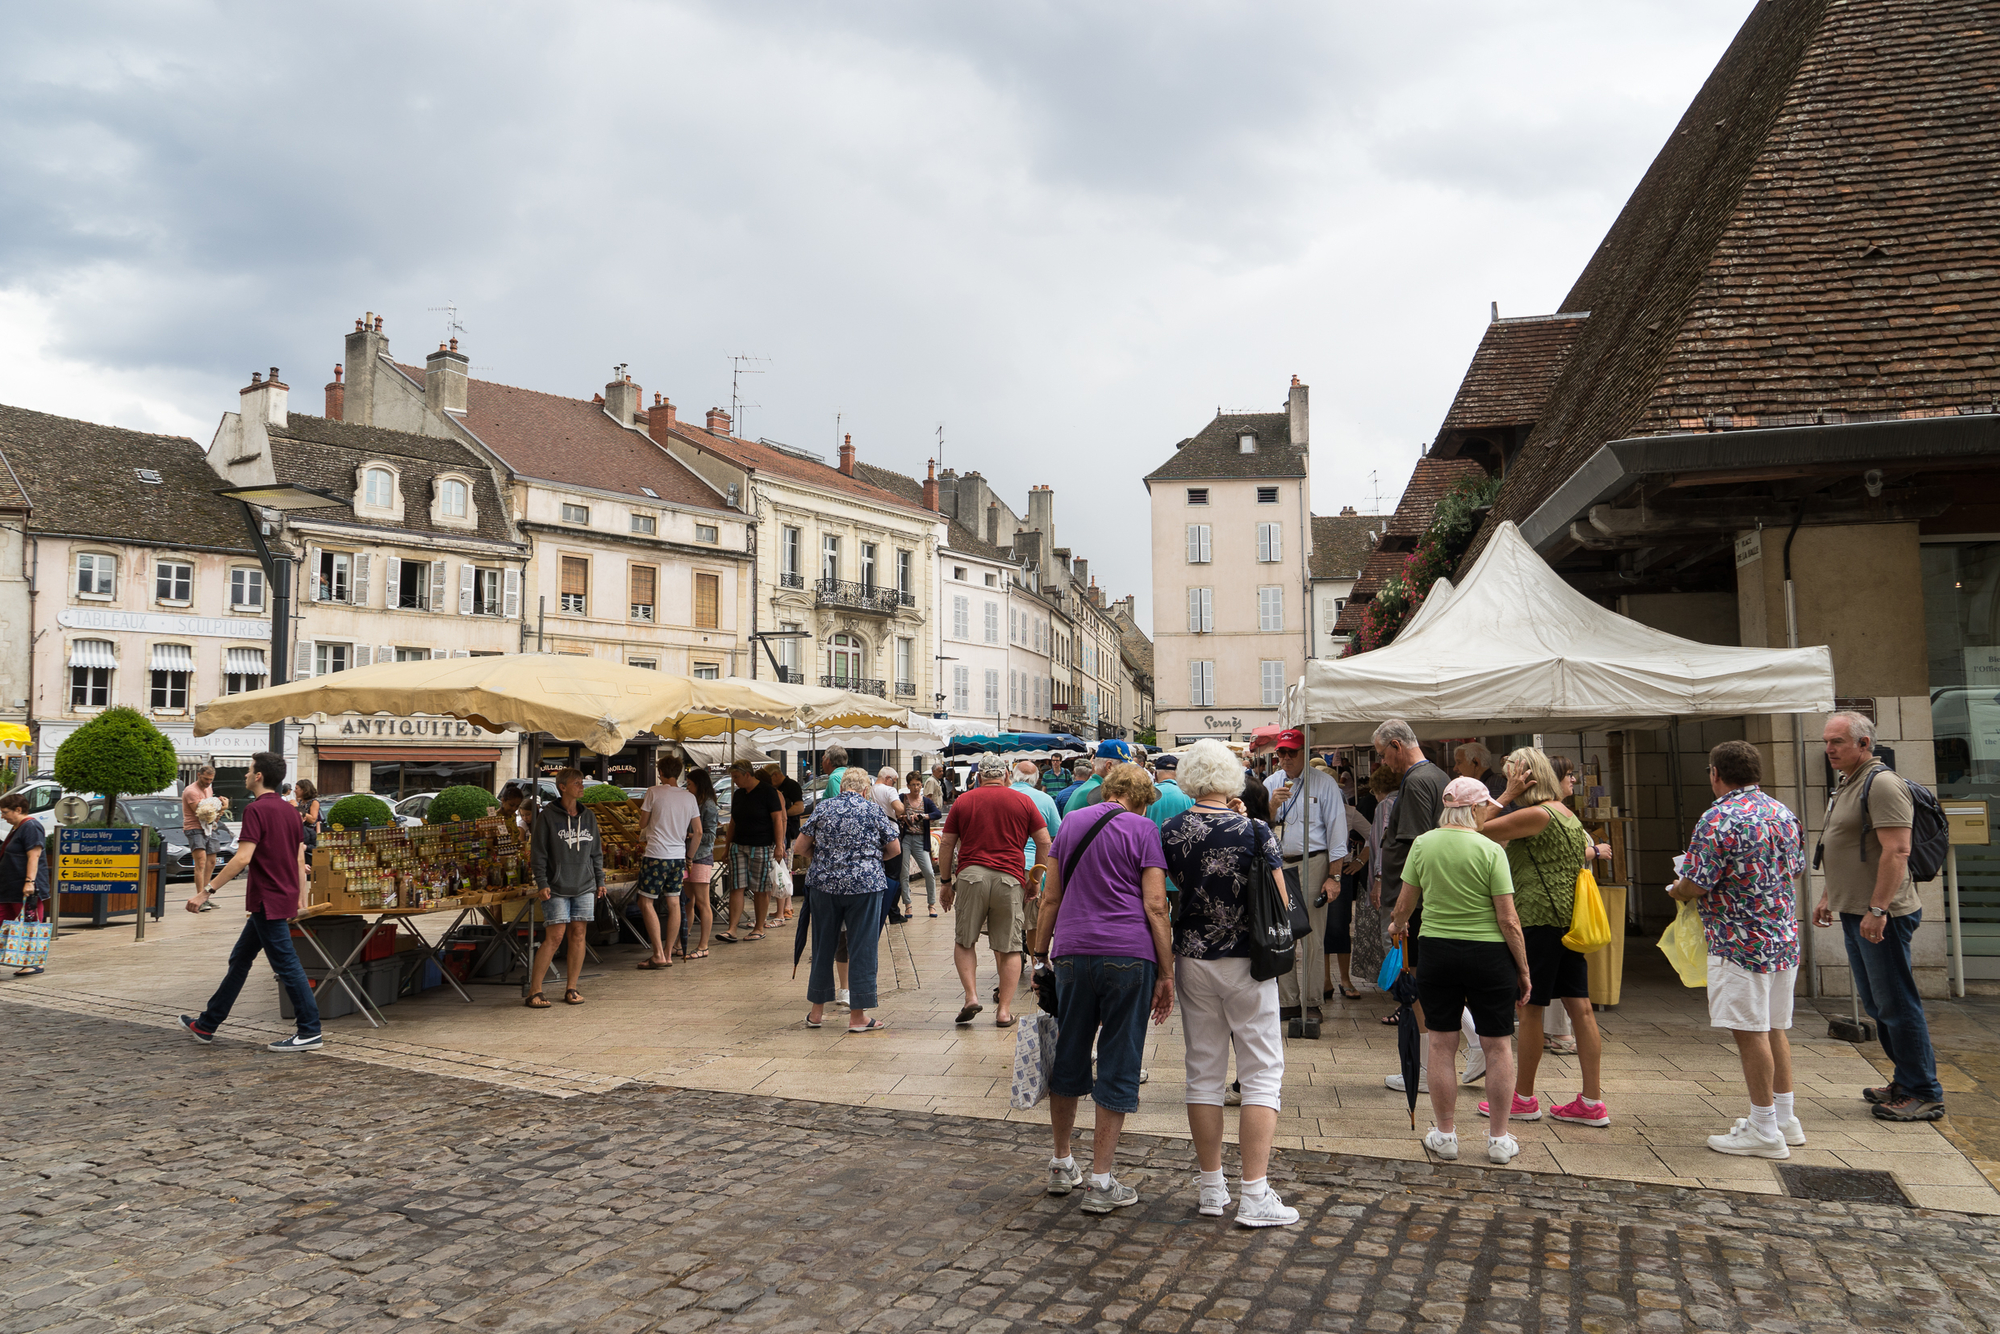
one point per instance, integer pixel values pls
(1409, 1038)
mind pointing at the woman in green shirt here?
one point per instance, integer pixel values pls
(1546, 848)
(1473, 958)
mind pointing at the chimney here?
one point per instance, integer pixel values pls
(1042, 511)
(1028, 549)
(1096, 595)
(622, 399)
(930, 487)
(336, 394)
(661, 419)
(265, 401)
(366, 347)
(1295, 414)
(993, 522)
(1347, 512)
(718, 421)
(445, 378)
(1080, 570)
(847, 454)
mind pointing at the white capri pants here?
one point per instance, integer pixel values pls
(1221, 1004)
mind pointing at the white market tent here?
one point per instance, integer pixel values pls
(1515, 649)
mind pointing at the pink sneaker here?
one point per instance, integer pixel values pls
(1582, 1112)
(1523, 1109)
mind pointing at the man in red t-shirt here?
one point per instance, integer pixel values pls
(267, 857)
(979, 866)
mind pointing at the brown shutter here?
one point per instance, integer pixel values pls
(644, 579)
(707, 601)
(575, 576)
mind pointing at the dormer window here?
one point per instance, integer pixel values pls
(452, 497)
(1246, 443)
(379, 489)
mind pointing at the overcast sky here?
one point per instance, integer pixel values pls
(1068, 232)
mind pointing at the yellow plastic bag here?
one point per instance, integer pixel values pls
(1589, 928)
(1686, 946)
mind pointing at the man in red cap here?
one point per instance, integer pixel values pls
(1307, 801)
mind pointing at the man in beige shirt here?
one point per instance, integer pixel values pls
(1865, 858)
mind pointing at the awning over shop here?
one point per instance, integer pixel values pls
(172, 658)
(412, 754)
(92, 653)
(1515, 649)
(247, 661)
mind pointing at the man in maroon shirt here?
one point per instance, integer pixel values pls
(267, 856)
(979, 866)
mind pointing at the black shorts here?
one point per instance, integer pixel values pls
(1416, 929)
(1475, 975)
(1558, 971)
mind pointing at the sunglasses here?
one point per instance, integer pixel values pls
(1282, 750)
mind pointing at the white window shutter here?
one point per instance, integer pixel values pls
(302, 661)
(440, 653)
(1194, 610)
(511, 607)
(392, 583)
(1194, 683)
(1277, 542)
(362, 562)
(312, 573)
(466, 574)
(360, 655)
(1194, 544)
(385, 653)
(1206, 554)
(461, 653)
(436, 602)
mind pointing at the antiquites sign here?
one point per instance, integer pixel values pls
(428, 729)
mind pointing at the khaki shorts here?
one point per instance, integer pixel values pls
(987, 900)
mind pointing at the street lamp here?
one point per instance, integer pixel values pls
(765, 637)
(257, 501)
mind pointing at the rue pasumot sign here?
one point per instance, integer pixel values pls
(154, 623)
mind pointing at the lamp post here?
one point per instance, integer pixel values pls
(256, 501)
(764, 637)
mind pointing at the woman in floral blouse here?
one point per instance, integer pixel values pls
(1216, 853)
(846, 839)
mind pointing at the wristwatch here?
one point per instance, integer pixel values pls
(1873, 911)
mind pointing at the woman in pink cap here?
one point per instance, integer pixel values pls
(1474, 958)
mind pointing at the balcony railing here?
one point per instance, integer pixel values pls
(906, 690)
(857, 684)
(860, 597)
(791, 579)
(791, 676)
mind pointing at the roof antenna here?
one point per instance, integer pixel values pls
(1375, 482)
(737, 370)
(452, 328)
(940, 448)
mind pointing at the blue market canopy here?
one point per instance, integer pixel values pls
(1006, 743)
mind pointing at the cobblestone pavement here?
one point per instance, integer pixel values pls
(152, 1184)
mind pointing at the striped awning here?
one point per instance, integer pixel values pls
(172, 658)
(247, 661)
(92, 653)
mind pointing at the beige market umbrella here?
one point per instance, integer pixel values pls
(601, 705)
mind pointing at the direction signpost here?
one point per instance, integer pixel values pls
(102, 861)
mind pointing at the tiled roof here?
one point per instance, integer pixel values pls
(1511, 373)
(1213, 451)
(83, 478)
(559, 439)
(1819, 234)
(1340, 544)
(960, 538)
(907, 489)
(326, 455)
(1133, 643)
(763, 458)
(1428, 483)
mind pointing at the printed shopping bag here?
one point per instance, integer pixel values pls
(1392, 968)
(25, 944)
(1589, 928)
(1686, 947)
(1034, 1060)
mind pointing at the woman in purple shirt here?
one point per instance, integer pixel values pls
(1106, 906)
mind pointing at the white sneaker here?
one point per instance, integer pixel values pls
(1443, 1143)
(1743, 1141)
(1794, 1133)
(1396, 1082)
(1265, 1210)
(1502, 1150)
(1064, 1178)
(1214, 1199)
(840, 997)
(1475, 1066)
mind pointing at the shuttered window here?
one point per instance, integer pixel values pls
(1201, 683)
(1270, 608)
(1270, 542)
(644, 580)
(1272, 674)
(1198, 543)
(1201, 610)
(575, 584)
(707, 601)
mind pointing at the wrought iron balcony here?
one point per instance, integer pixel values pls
(791, 676)
(860, 597)
(791, 579)
(856, 684)
(906, 690)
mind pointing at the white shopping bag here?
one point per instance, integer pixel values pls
(1034, 1059)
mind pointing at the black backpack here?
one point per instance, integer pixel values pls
(1930, 835)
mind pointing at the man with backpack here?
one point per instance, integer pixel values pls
(1866, 857)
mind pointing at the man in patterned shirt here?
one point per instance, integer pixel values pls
(1739, 872)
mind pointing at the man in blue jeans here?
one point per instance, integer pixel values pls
(267, 856)
(1865, 857)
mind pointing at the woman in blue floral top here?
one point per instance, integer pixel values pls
(846, 839)
(1215, 854)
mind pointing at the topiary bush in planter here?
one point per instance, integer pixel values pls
(117, 753)
(359, 812)
(597, 792)
(466, 802)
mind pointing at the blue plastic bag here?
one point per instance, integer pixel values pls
(1392, 968)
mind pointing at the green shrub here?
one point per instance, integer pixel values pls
(118, 753)
(467, 803)
(360, 811)
(597, 792)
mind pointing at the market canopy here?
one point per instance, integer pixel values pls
(1008, 743)
(1513, 648)
(598, 704)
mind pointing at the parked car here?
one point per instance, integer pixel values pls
(414, 807)
(164, 814)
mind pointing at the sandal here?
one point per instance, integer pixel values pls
(536, 1002)
(1391, 1019)
(1350, 995)
(31, 972)
(654, 965)
(812, 1022)
(698, 954)
(728, 939)
(756, 935)
(868, 1027)
(572, 996)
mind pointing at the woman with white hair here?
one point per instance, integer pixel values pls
(846, 840)
(1473, 958)
(1219, 857)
